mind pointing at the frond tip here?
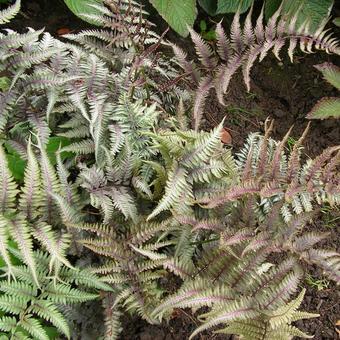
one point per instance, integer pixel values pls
(9, 13)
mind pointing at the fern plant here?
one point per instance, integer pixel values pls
(208, 228)
(36, 282)
(27, 309)
(241, 230)
(242, 48)
(149, 196)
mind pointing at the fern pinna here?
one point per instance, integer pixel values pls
(242, 47)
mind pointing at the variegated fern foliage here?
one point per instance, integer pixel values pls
(242, 47)
(37, 276)
(152, 198)
(220, 220)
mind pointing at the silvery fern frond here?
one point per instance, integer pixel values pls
(9, 13)
(8, 186)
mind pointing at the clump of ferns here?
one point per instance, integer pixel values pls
(54, 81)
(35, 283)
(243, 229)
(133, 46)
(247, 213)
(242, 48)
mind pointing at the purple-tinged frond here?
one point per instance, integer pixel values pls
(318, 164)
(270, 31)
(266, 47)
(259, 29)
(233, 65)
(240, 236)
(211, 224)
(292, 45)
(203, 50)
(296, 224)
(20, 232)
(275, 165)
(8, 186)
(294, 158)
(236, 34)
(273, 218)
(223, 43)
(40, 127)
(184, 270)
(259, 241)
(208, 224)
(30, 193)
(247, 171)
(251, 57)
(5, 255)
(280, 293)
(218, 83)
(238, 310)
(279, 43)
(292, 189)
(263, 155)
(271, 189)
(308, 240)
(190, 220)
(291, 29)
(275, 276)
(201, 94)
(187, 66)
(248, 33)
(328, 260)
(249, 187)
(330, 169)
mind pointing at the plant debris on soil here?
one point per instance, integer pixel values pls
(279, 90)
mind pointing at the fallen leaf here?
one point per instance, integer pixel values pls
(64, 30)
(226, 137)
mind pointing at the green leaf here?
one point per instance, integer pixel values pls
(231, 6)
(328, 107)
(17, 166)
(5, 83)
(52, 332)
(336, 21)
(177, 13)
(313, 11)
(53, 146)
(270, 7)
(331, 73)
(210, 35)
(210, 6)
(80, 7)
(203, 25)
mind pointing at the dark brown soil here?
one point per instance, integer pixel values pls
(279, 90)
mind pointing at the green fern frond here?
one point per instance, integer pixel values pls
(48, 311)
(328, 107)
(331, 73)
(177, 186)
